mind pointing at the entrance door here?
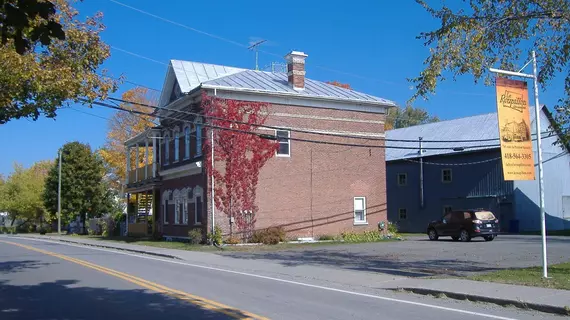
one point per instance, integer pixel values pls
(566, 207)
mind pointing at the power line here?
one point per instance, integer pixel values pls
(128, 81)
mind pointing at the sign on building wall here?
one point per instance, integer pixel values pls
(514, 129)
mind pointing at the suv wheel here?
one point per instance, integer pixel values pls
(432, 234)
(489, 238)
(464, 236)
(455, 238)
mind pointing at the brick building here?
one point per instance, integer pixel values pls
(310, 189)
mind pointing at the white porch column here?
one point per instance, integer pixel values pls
(146, 159)
(155, 156)
(137, 162)
(128, 164)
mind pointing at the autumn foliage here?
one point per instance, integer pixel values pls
(239, 156)
(341, 85)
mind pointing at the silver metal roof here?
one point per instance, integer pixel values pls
(191, 74)
(478, 127)
(269, 82)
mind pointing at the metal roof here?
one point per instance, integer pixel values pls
(478, 127)
(270, 82)
(191, 74)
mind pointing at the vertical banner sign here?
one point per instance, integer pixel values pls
(514, 129)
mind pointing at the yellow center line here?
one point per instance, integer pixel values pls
(193, 299)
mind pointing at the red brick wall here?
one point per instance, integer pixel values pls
(311, 193)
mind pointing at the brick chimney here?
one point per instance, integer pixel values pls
(296, 69)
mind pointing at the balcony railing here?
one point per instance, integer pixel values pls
(140, 174)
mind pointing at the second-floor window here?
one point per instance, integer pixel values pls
(446, 176)
(176, 146)
(284, 143)
(402, 179)
(166, 149)
(198, 138)
(187, 143)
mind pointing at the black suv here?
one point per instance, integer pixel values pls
(464, 225)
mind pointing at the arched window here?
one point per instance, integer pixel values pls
(177, 206)
(198, 206)
(176, 145)
(198, 137)
(186, 142)
(166, 148)
(165, 197)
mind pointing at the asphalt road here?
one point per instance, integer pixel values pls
(46, 280)
(419, 257)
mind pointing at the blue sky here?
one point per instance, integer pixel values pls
(373, 42)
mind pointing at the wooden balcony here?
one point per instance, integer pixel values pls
(141, 174)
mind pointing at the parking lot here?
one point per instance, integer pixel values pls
(419, 257)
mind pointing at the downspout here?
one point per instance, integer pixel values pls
(421, 174)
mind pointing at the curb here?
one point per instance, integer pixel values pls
(108, 247)
(499, 301)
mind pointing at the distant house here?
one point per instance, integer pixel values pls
(308, 189)
(473, 177)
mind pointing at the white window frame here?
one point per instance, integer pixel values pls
(185, 210)
(177, 202)
(176, 135)
(443, 175)
(198, 129)
(187, 134)
(405, 175)
(166, 148)
(165, 197)
(288, 142)
(197, 193)
(359, 222)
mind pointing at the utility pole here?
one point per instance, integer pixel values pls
(59, 197)
(254, 47)
(537, 108)
(421, 173)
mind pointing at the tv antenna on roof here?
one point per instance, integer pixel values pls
(254, 47)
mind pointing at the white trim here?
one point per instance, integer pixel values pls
(303, 116)
(176, 138)
(288, 155)
(340, 133)
(291, 99)
(184, 170)
(166, 148)
(359, 222)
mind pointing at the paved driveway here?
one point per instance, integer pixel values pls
(419, 257)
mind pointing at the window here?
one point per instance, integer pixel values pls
(446, 209)
(198, 138)
(177, 211)
(198, 205)
(166, 148)
(446, 175)
(284, 143)
(176, 146)
(186, 143)
(447, 217)
(403, 214)
(198, 215)
(165, 213)
(359, 210)
(402, 179)
(185, 211)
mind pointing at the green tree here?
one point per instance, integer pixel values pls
(84, 192)
(47, 77)
(21, 194)
(27, 22)
(480, 34)
(407, 117)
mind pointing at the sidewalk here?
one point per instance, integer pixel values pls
(536, 298)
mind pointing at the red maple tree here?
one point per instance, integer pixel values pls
(239, 157)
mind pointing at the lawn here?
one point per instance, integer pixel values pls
(241, 248)
(559, 276)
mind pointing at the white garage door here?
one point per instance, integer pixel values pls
(566, 207)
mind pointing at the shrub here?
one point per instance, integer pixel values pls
(366, 236)
(272, 235)
(216, 238)
(392, 227)
(195, 236)
(326, 237)
(3, 229)
(232, 240)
